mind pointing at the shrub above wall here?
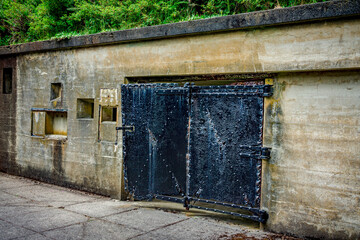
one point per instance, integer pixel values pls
(28, 21)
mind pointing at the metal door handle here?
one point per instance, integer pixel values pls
(123, 128)
(126, 128)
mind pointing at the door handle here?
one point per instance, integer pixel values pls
(123, 128)
(126, 128)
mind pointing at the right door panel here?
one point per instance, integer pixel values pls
(226, 124)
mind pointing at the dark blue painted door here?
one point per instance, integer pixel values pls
(201, 142)
(226, 127)
(154, 154)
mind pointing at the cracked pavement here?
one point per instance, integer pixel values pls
(33, 210)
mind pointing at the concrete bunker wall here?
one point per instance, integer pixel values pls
(8, 115)
(310, 185)
(76, 157)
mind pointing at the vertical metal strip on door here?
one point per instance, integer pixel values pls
(154, 154)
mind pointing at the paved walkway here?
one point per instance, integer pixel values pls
(32, 210)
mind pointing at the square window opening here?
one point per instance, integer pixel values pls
(85, 108)
(108, 114)
(7, 80)
(56, 89)
(56, 123)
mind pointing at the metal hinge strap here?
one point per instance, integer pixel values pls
(257, 152)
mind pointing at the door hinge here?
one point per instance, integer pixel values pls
(265, 153)
(268, 91)
(256, 152)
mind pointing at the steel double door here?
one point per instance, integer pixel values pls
(195, 144)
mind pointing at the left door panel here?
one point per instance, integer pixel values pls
(155, 152)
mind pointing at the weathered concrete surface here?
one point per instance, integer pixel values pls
(311, 183)
(77, 215)
(298, 14)
(303, 47)
(8, 119)
(79, 160)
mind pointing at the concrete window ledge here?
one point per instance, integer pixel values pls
(55, 137)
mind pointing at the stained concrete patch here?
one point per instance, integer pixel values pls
(50, 196)
(10, 231)
(6, 198)
(193, 228)
(96, 229)
(6, 182)
(36, 236)
(210, 216)
(20, 209)
(146, 219)
(100, 208)
(150, 236)
(47, 219)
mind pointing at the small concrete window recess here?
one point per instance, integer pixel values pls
(7, 81)
(55, 93)
(108, 114)
(85, 108)
(49, 123)
(56, 123)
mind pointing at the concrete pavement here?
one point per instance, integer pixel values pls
(33, 210)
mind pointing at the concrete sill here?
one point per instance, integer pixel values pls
(55, 137)
(85, 119)
(51, 137)
(35, 136)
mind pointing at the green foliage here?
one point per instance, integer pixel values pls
(14, 19)
(32, 20)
